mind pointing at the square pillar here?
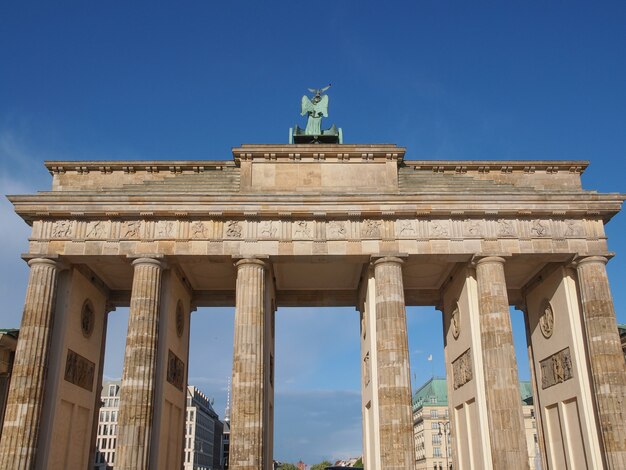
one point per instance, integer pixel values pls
(465, 372)
(566, 426)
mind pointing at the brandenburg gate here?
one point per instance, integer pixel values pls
(319, 225)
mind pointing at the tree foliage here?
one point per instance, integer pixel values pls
(358, 463)
(287, 466)
(321, 465)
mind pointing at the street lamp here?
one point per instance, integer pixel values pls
(444, 431)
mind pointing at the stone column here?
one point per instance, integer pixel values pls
(23, 414)
(246, 418)
(605, 357)
(397, 447)
(138, 375)
(504, 408)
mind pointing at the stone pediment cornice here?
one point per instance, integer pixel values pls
(317, 152)
(87, 204)
(133, 166)
(498, 166)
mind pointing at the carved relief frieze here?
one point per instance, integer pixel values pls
(285, 228)
(405, 228)
(233, 229)
(505, 228)
(573, 229)
(175, 370)
(540, 228)
(462, 370)
(556, 369)
(302, 229)
(198, 230)
(372, 228)
(131, 229)
(269, 229)
(336, 229)
(473, 228)
(440, 228)
(79, 370)
(166, 229)
(97, 229)
(62, 229)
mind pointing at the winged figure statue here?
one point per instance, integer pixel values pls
(315, 108)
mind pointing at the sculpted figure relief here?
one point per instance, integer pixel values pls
(301, 229)
(455, 322)
(473, 228)
(505, 228)
(462, 369)
(131, 229)
(233, 229)
(546, 322)
(95, 229)
(539, 229)
(337, 229)
(556, 369)
(371, 228)
(268, 229)
(406, 228)
(165, 229)
(573, 229)
(62, 228)
(198, 230)
(438, 229)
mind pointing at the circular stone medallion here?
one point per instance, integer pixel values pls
(180, 320)
(87, 319)
(546, 322)
(455, 322)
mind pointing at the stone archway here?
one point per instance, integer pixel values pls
(345, 225)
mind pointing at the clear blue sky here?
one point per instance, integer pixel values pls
(165, 80)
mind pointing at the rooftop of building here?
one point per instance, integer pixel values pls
(14, 332)
(434, 392)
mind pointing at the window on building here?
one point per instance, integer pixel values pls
(433, 414)
(437, 451)
(434, 425)
(433, 399)
(436, 439)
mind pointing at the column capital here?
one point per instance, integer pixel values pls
(255, 260)
(41, 260)
(580, 260)
(391, 258)
(481, 259)
(156, 260)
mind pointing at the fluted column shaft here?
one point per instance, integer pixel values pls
(504, 409)
(138, 375)
(246, 421)
(605, 356)
(23, 413)
(394, 376)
